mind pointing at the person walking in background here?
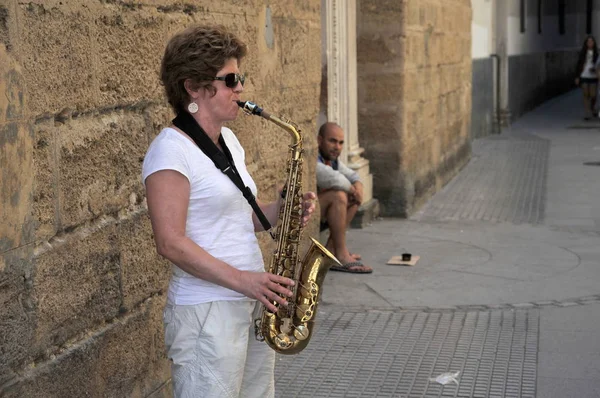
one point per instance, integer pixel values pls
(205, 227)
(587, 76)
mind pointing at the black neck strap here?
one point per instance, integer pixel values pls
(223, 161)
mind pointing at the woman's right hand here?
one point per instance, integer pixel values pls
(266, 288)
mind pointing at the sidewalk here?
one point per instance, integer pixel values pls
(506, 291)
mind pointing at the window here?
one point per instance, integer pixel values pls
(523, 15)
(562, 4)
(540, 16)
(588, 16)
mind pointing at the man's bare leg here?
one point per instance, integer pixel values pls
(334, 208)
(350, 213)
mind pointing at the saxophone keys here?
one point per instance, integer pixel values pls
(286, 326)
(283, 341)
(287, 273)
(301, 332)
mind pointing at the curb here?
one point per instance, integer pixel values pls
(584, 300)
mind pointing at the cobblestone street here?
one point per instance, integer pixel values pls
(505, 292)
(393, 354)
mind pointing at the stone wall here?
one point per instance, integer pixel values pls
(414, 90)
(81, 285)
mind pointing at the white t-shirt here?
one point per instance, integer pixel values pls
(219, 219)
(589, 63)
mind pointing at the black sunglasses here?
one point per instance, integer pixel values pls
(231, 79)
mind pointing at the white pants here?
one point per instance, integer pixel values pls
(214, 352)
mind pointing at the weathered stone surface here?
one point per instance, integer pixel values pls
(57, 39)
(430, 89)
(45, 202)
(384, 88)
(296, 10)
(144, 273)
(100, 159)
(12, 85)
(123, 359)
(388, 14)
(83, 99)
(124, 38)
(17, 318)
(16, 171)
(77, 285)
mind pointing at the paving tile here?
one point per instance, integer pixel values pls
(368, 359)
(500, 196)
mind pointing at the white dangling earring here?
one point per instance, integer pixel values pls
(193, 107)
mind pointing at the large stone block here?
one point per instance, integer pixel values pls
(128, 50)
(385, 87)
(45, 186)
(56, 44)
(100, 164)
(381, 131)
(16, 180)
(143, 272)
(12, 87)
(299, 60)
(124, 359)
(379, 49)
(294, 9)
(412, 88)
(17, 316)
(157, 117)
(77, 285)
(16, 169)
(172, 7)
(389, 14)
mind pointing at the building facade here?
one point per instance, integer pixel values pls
(524, 53)
(414, 96)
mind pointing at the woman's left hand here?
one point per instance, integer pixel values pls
(308, 206)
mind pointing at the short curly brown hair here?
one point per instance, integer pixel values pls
(196, 53)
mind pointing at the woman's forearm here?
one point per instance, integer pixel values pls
(270, 210)
(194, 260)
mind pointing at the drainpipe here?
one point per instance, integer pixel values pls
(496, 88)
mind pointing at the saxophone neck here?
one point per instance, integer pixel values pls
(251, 108)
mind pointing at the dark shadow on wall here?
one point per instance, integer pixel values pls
(536, 78)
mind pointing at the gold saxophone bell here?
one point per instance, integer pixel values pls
(289, 330)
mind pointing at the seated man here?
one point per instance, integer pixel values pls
(340, 193)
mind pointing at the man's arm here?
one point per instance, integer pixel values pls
(328, 178)
(358, 192)
(350, 174)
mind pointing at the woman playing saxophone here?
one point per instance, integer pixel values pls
(205, 227)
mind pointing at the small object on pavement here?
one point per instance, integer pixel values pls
(399, 260)
(446, 378)
(406, 256)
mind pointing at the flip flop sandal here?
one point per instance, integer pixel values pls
(346, 268)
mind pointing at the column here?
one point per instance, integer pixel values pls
(342, 85)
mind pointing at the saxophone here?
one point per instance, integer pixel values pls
(289, 330)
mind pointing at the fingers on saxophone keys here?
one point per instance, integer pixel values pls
(277, 288)
(269, 305)
(282, 280)
(271, 297)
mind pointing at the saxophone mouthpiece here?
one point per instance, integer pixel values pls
(251, 108)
